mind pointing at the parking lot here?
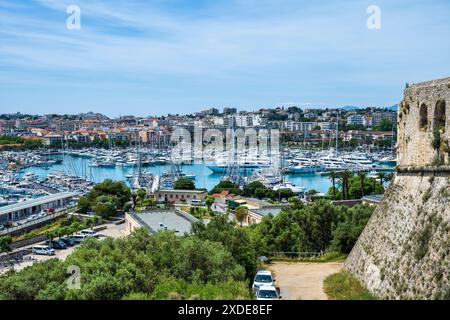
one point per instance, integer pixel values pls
(298, 280)
(112, 230)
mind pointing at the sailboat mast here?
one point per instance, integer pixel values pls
(337, 132)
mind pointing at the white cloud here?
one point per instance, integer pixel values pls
(275, 49)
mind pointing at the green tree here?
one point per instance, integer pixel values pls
(116, 189)
(333, 176)
(226, 185)
(236, 240)
(141, 194)
(5, 243)
(106, 206)
(250, 189)
(344, 177)
(362, 176)
(209, 200)
(141, 266)
(134, 198)
(241, 214)
(381, 175)
(184, 184)
(371, 186)
(350, 227)
(385, 125)
(84, 204)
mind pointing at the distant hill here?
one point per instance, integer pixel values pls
(351, 108)
(392, 108)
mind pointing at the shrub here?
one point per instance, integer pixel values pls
(343, 286)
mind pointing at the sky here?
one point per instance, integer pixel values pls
(154, 57)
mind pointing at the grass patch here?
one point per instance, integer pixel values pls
(343, 286)
(41, 230)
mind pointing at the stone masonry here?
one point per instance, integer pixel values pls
(404, 251)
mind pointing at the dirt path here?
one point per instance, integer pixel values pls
(299, 280)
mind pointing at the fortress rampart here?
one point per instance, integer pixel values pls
(404, 251)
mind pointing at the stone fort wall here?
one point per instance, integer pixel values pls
(404, 251)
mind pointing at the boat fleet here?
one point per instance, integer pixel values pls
(17, 184)
(303, 162)
(121, 158)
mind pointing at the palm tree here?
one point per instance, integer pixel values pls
(389, 177)
(333, 176)
(381, 175)
(344, 177)
(134, 198)
(362, 176)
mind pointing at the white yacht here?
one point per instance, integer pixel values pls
(290, 186)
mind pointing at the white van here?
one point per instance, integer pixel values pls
(77, 238)
(89, 233)
(44, 250)
(196, 202)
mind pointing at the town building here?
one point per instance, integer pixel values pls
(156, 220)
(229, 110)
(355, 120)
(13, 212)
(180, 196)
(388, 115)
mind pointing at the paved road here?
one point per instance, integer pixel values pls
(303, 280)
(114, 231)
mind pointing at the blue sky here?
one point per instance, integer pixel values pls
(180, 56)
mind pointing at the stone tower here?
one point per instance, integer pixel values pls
(424, 118)
(404, 251)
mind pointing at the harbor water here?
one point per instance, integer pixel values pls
(204, 177)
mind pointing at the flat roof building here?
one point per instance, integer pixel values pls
(23, 209)
(160, 220)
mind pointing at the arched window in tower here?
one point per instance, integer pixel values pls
(439, 115)
(423, 115)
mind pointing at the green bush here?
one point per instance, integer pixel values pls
(135, 267)
(105, 198)
(317, 227)
(184, 184)
(343, 286)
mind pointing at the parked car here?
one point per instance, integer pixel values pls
(32, 217)
(2, 227)
(44, 250)
(68, 241)
(196, 202)
(40, 215)
(77, 238)
(89, 233)
(262, 278)
(267, 293)
(264, 259)
(56, 244)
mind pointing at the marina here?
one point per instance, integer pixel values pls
(28, 175)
